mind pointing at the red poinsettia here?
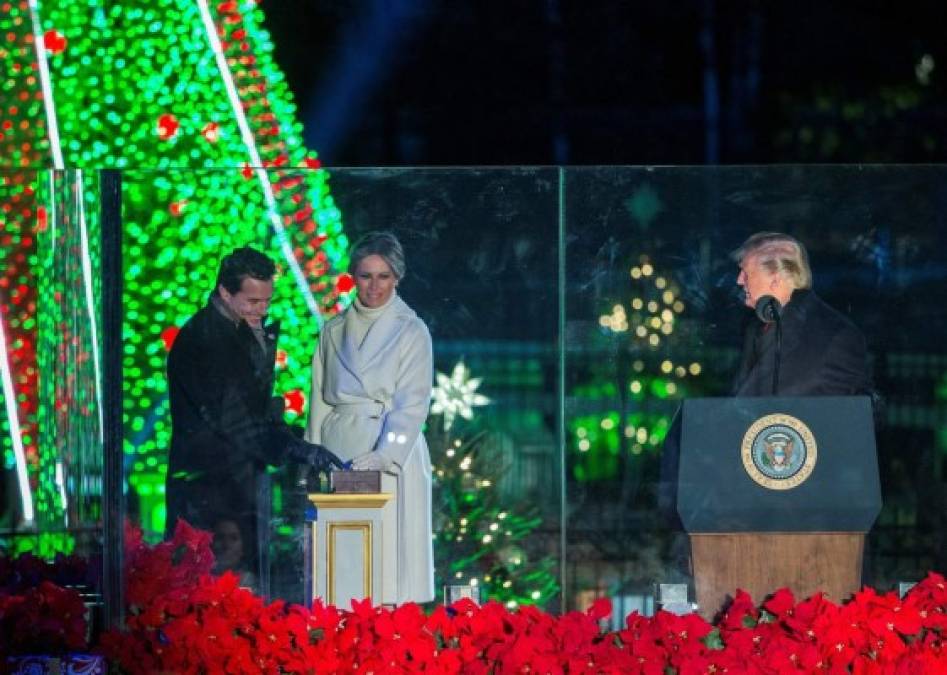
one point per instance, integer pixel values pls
(47, 619)
(201, 623)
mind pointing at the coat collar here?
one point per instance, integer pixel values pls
(383, 333)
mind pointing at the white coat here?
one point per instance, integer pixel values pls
(376, 398)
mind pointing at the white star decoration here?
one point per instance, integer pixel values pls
(456, 395)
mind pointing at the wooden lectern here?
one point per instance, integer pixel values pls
(777, 492)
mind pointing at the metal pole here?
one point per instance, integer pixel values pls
(113, 507)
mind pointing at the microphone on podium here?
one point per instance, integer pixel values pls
(768, 310)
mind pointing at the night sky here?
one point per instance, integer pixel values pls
(589, 82)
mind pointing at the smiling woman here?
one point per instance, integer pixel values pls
(371, 388)
(374, 280)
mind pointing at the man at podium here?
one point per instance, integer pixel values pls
(778, 485)
(800, 346)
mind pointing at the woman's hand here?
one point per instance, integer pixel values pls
(371, 461)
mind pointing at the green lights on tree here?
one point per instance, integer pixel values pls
(212, 159)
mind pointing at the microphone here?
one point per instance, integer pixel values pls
(768, 310)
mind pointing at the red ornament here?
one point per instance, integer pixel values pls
(312, 163)
(211, 132)
(168, 126)
(168, 336)
(177, 208)
(246, 171)
(54, 41)
(344, 283)
(295, 401)
(282, 358)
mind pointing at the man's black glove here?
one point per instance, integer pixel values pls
(318, 457)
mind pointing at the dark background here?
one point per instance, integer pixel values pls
(396, 82)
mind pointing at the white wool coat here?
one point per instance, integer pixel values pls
(376, 398)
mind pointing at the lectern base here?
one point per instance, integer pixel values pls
(761, 563)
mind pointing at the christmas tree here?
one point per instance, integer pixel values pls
(480, 539)
(641, 376)
(185, 98)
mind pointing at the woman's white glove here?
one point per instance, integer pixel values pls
(372, 461)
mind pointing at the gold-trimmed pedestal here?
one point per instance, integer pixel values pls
(351, 556)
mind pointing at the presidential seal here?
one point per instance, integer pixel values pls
(779, 452)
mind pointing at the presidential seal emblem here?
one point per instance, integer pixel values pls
(779, 452)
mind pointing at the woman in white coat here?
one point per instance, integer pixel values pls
(371, 389)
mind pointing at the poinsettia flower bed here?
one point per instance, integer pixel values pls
(182, 619)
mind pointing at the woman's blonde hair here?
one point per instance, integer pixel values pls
(778, 253)
(383, 244)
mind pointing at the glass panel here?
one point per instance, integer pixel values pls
(50, 367)
(482, 261)
(177, 228)
(654, 316)
(482, 268)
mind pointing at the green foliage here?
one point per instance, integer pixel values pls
(481, 538)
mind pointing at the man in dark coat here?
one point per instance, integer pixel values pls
(822, 352)
(225, 425)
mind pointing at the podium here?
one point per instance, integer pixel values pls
(350, 549)
(777, 492)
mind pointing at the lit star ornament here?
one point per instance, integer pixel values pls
(456, 395)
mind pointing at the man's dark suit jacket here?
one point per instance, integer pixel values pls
(224, 428)
(823, 353)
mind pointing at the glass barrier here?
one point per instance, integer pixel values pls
(51, 371)
(571, 310)
(654, 316)
(481, 260)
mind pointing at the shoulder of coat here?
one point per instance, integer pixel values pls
(196, 328)
(408, 315)
(334, 321)
(833, 317)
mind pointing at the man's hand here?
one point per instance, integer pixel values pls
(319, 457)
(371, 461)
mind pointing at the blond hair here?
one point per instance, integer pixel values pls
(778, 254)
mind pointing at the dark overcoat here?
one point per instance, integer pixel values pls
(823, 353)
(225, 427)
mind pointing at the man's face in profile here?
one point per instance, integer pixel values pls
(252, 302)
(754, 279)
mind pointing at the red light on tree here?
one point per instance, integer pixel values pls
(168, 126)
(345, 283)
(54, 41)
(168, 335)
(295, 401)
(211, 132)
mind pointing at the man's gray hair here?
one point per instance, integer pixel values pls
(778, 253)
(379, 243)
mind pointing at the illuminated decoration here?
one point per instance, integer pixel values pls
(168, 126)
(479, 539)
(643, 381)
(456, 395)
(16, 441)
(185, 98)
